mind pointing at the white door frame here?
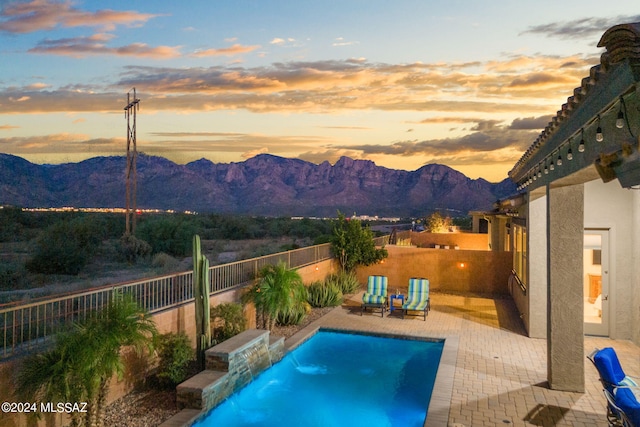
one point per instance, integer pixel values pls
(601, 328)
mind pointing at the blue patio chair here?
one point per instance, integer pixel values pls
(617, 388)
(417, 297)
(376, 294)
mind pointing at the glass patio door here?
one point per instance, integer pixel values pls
(596, 282)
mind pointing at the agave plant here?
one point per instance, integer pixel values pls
(324, 294)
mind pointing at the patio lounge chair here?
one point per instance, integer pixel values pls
(376, 294)
(621, 402)
(417, 297)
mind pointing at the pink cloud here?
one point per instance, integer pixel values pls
(236, 49)
(95, 45)
(39, 15)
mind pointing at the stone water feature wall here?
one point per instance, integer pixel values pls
(230, 366)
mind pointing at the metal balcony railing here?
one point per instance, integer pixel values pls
(26, 327)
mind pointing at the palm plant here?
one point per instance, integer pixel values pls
(51, 376)
(79, 367)
(121, 324)
(279, 294)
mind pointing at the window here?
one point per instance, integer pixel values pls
(520, 252)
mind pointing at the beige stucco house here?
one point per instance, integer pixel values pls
(575, 226)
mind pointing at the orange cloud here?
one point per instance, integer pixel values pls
(317, 86)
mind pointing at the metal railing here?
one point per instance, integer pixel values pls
(26, 327)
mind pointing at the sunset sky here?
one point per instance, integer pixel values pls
(403, 83)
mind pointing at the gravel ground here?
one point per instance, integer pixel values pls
(150, 408)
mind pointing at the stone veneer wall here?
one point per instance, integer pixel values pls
(230, 366)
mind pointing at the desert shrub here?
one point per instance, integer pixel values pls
(345, 281)
(64, 248)
(132, 249)
(171, 234)
(227, 320)
(175, 354)
(324, 294)
(12, 276)
(165, 262)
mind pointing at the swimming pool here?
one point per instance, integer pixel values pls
(338, 379)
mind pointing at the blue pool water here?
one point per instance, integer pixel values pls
(338, 379)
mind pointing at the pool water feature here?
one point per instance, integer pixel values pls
(338, 379)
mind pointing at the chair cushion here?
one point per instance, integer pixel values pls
(609, 366)
(626, 401)
(415, 305)
(373, 299)
(377, 285)
(418, 295)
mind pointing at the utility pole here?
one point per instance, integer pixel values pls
(132, 154)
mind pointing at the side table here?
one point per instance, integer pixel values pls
(394, 297)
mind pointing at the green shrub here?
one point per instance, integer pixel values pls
(64, 248)
(175, 354)
(171, 234)
(227, 320)
(324, 294)
(346, 282)
(293, 316)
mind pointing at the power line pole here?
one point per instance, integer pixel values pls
(132, 154)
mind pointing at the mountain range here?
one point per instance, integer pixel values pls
(262, 185)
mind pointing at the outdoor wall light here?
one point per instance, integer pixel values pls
(599, 135)
(559, 162)
(581, 145)
(552, 166)
(546, 170)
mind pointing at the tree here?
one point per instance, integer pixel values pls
(353, 245)
(83, 360)
(439, 224)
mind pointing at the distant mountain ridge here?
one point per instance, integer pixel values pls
(262, 185)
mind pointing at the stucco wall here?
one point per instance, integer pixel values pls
(447, 270)
(470, 241)
(609, 206)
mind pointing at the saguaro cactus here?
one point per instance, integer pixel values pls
(201, 291)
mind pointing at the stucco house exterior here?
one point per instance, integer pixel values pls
(575, 223)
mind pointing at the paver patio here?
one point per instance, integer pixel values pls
(499, 374)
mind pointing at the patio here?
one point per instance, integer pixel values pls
(499, 375)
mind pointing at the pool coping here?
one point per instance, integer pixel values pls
(440, 403)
